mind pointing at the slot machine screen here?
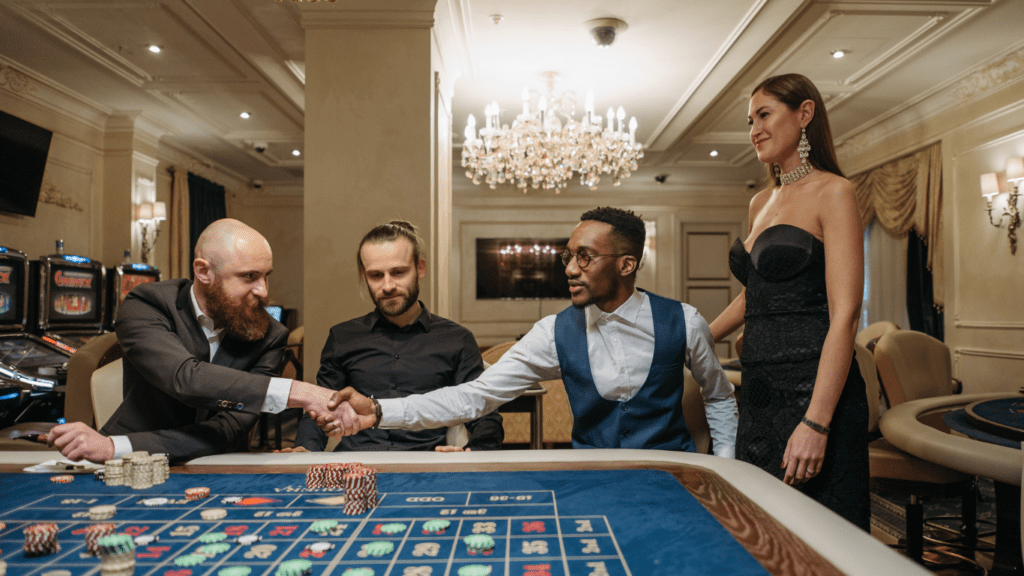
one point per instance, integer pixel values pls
(12, 283)
(130, 280)
(74, 296)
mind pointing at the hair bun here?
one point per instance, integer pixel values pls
(403, 224)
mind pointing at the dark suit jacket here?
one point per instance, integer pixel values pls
(176, 400)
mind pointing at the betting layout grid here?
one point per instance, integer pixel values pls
(536, 532)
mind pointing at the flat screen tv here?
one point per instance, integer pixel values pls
(23, 148)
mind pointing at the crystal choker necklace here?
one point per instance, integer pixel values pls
(795, 174)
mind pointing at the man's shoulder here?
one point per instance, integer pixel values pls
(357, 324)
(440, 322)
(161, 290)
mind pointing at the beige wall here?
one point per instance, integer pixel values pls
(979, 119)
(507, 212)
(71, 202)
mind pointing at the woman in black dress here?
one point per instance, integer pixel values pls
(803, 409)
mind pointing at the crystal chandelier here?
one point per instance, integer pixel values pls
(539, 150)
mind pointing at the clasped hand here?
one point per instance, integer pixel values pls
(347, 412)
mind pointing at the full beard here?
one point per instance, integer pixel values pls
(246, 322)
(399, 306)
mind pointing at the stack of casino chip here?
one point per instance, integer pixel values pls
(197, 493)
(104, 512)
(360, 490)
(117, 555)
(113, 472)
(162, 469)
(41, 539)
(93, 533)
(477, 543)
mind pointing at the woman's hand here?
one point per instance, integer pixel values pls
(804, 454)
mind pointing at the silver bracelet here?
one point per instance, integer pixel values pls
(815, 426)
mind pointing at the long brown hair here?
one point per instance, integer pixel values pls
(792, 90)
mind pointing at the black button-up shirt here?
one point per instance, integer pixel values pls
(379, 359)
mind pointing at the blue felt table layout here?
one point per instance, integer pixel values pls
(593, 523)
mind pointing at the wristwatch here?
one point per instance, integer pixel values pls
(376, 412)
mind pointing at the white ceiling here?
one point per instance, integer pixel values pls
(684, 68)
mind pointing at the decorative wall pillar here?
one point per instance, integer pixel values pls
(130, 151)
(374, 101)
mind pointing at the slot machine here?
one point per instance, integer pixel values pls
(32, 371)
(70, 303)
(122, 278)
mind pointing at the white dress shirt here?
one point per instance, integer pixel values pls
(277, 392)
(621, 347)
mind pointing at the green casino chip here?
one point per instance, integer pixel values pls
(189, 560)
(323, 526)
(296, 567)
(475, 570)
(480, 541)
(217, 548)
(393, 528)
(213, 537)
(358, 572)
(380, 548)
(436, 525)
(116, 544)
(235, 571)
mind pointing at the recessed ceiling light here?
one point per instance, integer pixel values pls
(244, 115)
(296, 153)
(837, 54)
(154, 48)
(714, 153)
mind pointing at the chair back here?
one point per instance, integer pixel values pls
(913, 365)
(866, 362)
(870, 335)
(494, 353)
(291, 366)
(107, 391)
(95, 353)
(695, 415)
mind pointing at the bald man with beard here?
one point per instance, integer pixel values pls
(198, 359)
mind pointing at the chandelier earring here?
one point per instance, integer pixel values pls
(804, 149)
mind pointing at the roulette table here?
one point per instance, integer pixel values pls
(558, 512)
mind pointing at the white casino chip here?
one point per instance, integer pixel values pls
(247, 539)
(155, 501)
(145, 539)
(232, 500)
(316, 547)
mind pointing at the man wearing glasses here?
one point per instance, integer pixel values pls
(619, 350)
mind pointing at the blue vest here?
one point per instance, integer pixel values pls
(653, 418)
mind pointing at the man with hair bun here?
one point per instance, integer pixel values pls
(397, 350)
(619, 350)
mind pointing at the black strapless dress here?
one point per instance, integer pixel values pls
(786, 322)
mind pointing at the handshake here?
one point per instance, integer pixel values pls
(346, 413)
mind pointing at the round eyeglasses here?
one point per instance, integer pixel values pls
(583, 258)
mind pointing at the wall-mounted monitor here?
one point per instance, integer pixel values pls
(521, 269)
(23, 150)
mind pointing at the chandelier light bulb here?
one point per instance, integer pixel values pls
(837, 54)
(611, 118)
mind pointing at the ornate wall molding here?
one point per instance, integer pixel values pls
(992, 76)
(15, 80)
(51, 195)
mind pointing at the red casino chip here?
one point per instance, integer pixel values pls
(41, 539)
(62, 479)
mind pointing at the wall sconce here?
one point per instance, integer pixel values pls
(145, 214)
(995, 183)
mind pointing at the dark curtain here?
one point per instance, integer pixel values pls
(206, 203)
(924, 315)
